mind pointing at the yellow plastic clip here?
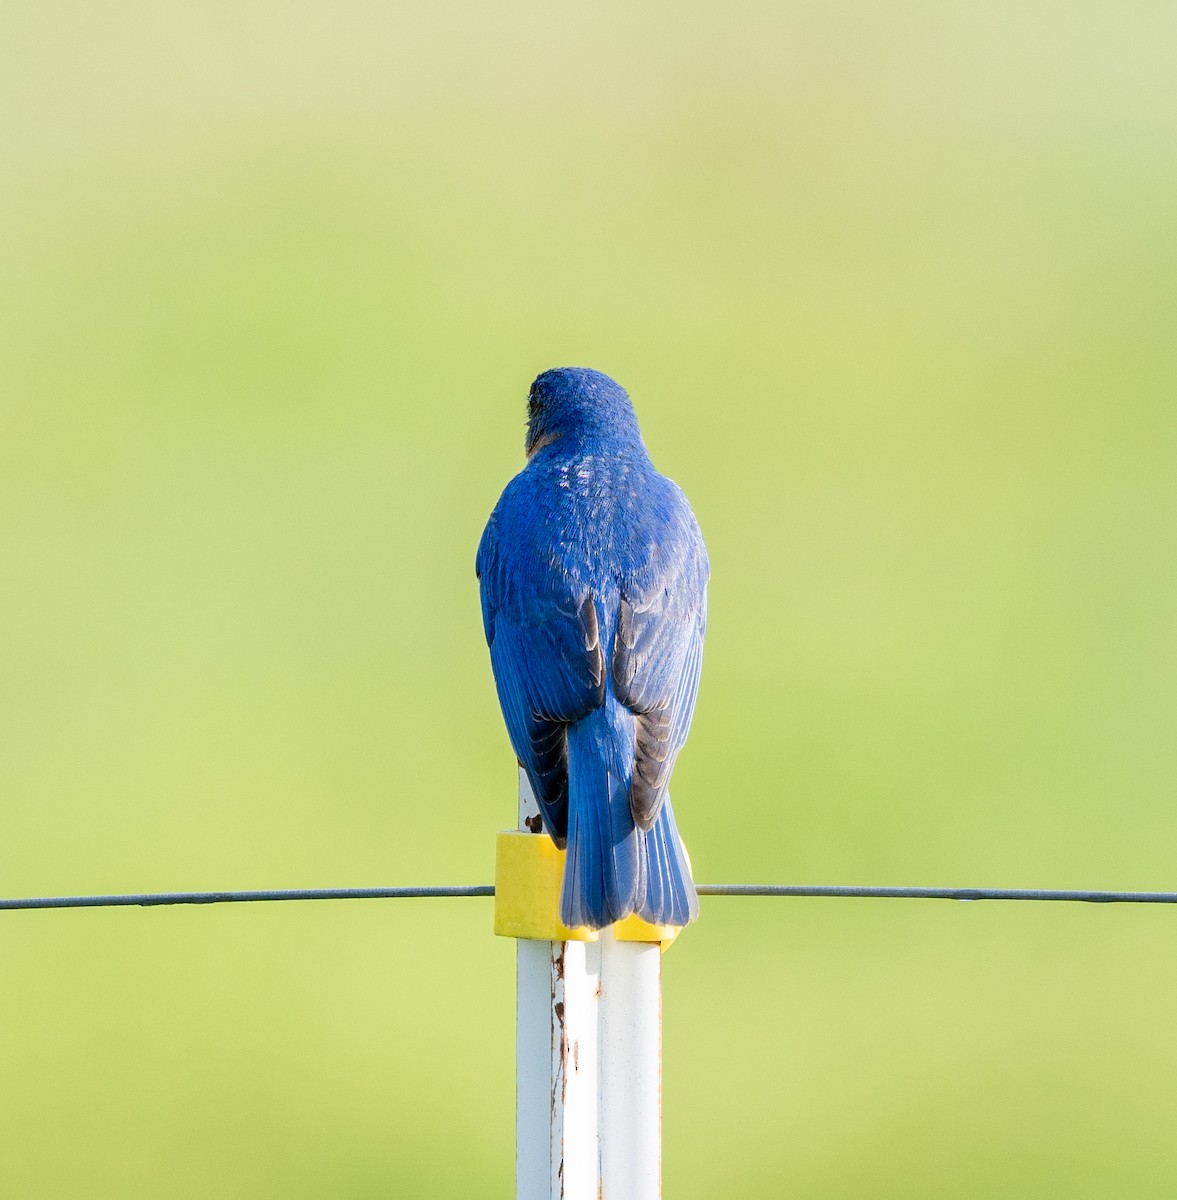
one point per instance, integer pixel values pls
(528, 873)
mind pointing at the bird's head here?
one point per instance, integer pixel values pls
(581, 405)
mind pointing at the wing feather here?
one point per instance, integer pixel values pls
(658, 654)
(549, 669)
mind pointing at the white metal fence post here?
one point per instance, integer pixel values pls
(630, 1069)
(588, 1059)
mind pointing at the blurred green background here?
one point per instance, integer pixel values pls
(893, 286)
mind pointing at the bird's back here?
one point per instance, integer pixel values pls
(598, 521)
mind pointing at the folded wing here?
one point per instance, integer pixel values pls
(658, 654)
(549, 668)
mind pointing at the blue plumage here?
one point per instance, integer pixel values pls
(594, 576)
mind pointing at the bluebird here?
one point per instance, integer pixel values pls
(593, 577)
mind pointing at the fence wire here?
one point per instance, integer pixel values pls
(830, 891)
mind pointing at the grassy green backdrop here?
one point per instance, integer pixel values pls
(893, 287)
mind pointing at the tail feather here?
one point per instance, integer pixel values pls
(612, 868)
(603, 868)
(670, 897)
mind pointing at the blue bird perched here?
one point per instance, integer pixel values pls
(593, 577)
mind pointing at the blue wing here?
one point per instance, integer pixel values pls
(548, 663)
(658, 649)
